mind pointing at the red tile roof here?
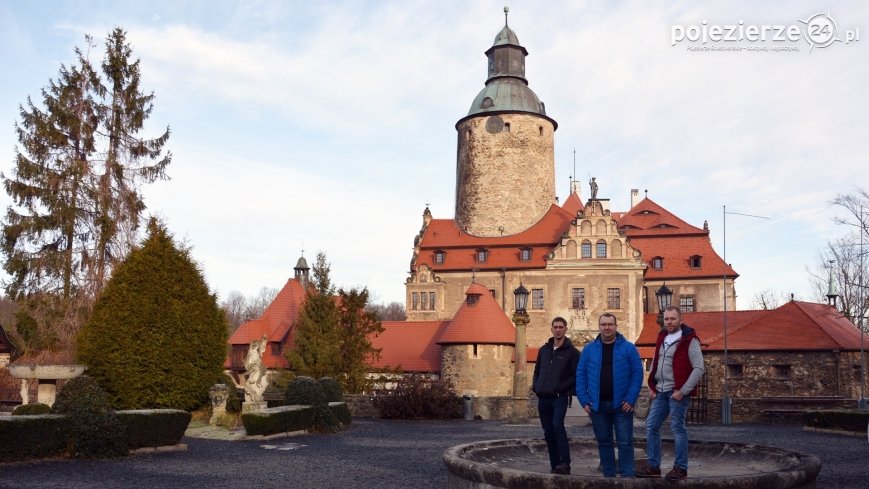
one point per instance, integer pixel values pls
(460, 247)
(409, 345)
(277, 319)
(792, 326)
(656, 232)
(481, 322)
(647, 218)
(573, 204)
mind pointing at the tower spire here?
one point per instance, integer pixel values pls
(506, 11)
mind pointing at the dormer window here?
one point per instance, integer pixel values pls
(525, 254)
(657, 263)
(439, 256)
(482, 256)
(694, 261)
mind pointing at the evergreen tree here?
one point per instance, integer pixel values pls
(317, 338)
(75, 186)
(157, 338)
(333, 333)
(358, 323)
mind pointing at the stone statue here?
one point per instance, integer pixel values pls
(593, 185)
(256, 371)
(219, 393)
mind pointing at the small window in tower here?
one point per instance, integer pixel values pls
(506, 127)
(782, 371)
(734, 370)
(540, 128)
(492, 291)
(486, 103)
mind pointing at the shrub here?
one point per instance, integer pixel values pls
(39, 436)
(419, 397)
(342, 413)
(308, 392)
(31, 409)
(332, 389)
(281, 419)
(95, 431)
(156, 337)
(841, 419)
(154, 427)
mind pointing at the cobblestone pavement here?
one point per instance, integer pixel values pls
(380, 454)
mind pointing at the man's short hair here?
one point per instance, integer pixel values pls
(608, 315)
(561, 319)
(673, 308)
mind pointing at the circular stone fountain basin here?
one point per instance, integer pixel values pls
(523, 463)
(46, 372)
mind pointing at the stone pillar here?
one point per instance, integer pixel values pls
(25, 397)
(46, 391)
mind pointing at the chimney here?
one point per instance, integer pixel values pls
(635, 197)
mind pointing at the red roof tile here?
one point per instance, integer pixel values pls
(481, 322)
(573, 204)
(276, 320)
(409, 345)
(792, 326)
(460, 247)
(676, 252)
(647, 218)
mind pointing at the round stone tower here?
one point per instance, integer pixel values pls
(505, 178)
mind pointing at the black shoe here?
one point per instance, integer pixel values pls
(676, 474)
(649, 473)
(562, 469)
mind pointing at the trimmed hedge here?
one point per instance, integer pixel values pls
(31, 409)
(419, 397)
(332, 389)
(50, 435)
(154, 427)
(37, 436)
(839, 419)
(341, 412)
(281, 419)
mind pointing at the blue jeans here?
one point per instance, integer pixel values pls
(552, 411)
(661, 406)
(603, 421)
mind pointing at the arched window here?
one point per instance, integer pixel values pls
(601, 249)
(586, 249)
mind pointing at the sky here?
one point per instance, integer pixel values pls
(329, 126)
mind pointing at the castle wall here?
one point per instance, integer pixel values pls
(478, 370)
(505, 179)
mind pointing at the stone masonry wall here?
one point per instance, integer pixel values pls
(488, 373)
(505, 178)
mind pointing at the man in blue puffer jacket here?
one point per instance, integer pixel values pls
(608, 381)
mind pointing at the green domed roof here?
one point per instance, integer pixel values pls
(506, 88)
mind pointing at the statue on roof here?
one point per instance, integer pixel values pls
(593, 185)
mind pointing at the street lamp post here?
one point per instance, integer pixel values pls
(520, 384)
(664, 296)
(725, 397)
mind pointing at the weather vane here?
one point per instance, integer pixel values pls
(506, 11)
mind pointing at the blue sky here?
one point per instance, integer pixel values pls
(329, 125)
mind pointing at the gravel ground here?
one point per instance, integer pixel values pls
(381, 454)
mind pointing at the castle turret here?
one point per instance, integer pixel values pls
(505, 177)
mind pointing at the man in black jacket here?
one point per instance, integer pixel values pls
(554, 384)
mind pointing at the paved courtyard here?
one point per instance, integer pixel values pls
(380, 454)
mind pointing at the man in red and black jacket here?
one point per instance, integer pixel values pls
(676, 370)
